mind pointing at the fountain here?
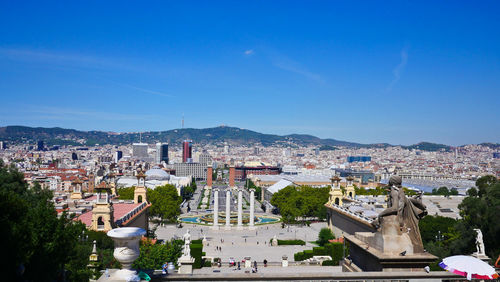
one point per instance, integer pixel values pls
(233, 219)
(126, 250)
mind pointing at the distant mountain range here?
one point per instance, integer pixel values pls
(215, 135)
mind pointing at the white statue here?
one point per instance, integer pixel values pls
(479, 242)
(187, 237)
(274, 242)
(186, 251)
(187, 240)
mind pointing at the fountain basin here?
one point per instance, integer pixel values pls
(208, 219)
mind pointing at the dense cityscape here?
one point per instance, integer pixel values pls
(250, 141)
(53, 166)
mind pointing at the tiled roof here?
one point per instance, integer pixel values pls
(120, 210)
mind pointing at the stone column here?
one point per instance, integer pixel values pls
(251, 225)
(228, 209)
(240, 210)
(216, 209)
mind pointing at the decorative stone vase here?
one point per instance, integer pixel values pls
(126, 248)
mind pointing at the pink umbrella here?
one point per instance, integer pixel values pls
(469, 267)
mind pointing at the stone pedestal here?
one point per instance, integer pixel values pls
(390, 239)
(284, 261)
(240, 210)
(482, 257)
(186, 265)
(366, 257)
(248, 262)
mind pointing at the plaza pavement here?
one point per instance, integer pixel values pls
(272, 269)
(256, 245)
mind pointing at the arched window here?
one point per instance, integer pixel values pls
(337, 201)
(100, 223)
(139, 199)
(350, 194)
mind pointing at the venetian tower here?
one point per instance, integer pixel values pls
(335, 192)
(349, 190)
(102, 213)
(140, 191)
(112, 182)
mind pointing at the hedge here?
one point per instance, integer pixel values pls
(335, 250)
(328, 263)
(196, 253)
(290, 242)
(198, 241)
(320, 251)
(207, 263)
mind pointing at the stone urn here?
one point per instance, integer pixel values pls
(126, 249)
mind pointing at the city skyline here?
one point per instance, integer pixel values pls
(399, 74)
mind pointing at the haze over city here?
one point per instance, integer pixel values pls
(399, 73)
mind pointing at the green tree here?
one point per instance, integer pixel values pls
(305, 201)
(153, 256)
(481, 210)
(33, 236)
(483, 183)
(188, 191)
(126, 193)
(165, 203)
(430, 226)
(324, 235)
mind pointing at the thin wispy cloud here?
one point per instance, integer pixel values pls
(291, 66)
(62, 113)
(396, 72)
(61, 58)
(249, 52)
(145, 90)
(287, 64)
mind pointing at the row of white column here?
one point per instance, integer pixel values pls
(251, 224)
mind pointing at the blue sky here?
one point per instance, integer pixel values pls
(399, 72)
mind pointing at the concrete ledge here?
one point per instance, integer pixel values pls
(344, 276)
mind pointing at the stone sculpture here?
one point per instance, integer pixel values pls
(187, 237)
(408, 212)
(396, 244)
(274, 242)
(479, 243)
(187, 240)
(186, 261)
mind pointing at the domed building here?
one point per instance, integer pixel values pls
(156, 177)
(156, 173)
